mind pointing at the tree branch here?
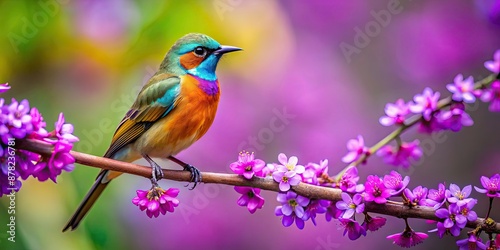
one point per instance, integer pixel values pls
(395, 209)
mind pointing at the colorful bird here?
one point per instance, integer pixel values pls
(171, 112)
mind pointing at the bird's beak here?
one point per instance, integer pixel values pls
(226, 49)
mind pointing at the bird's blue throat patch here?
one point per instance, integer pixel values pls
(209, 87)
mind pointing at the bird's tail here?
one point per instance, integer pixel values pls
(88, 201)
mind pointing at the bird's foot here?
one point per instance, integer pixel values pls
(195, 174)
(156, 171)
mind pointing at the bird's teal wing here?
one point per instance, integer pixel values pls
(154, 102)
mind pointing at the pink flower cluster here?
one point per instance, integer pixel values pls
(17, 122)
(156, 201)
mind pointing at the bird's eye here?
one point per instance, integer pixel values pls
(200, 51)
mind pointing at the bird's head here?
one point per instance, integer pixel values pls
(195, 54)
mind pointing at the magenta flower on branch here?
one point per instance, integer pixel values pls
(375, 190)
(268, 170)
(348, 182)
(491, 186)
(313, 171)
(373, 223)
(442, 231)
(455, 118)
(433, 125)
(408, 238)
(64, 131)
(286, 179)
(401, 155)
(455, 195)
(492, 94)
(18, 115)
(16, 120)
(292, 203)
(356, 149)
(494, 65)
(349, 205)
(27, 162)
(466, 210)
(316, 207)
(332, 212)
(247, 165)
(472, 242)
(288, 173)
(425, 103)
(156, 201)
(395, 113)
(395, 183)
(462, 89)
(60, 160)
(352, 228)
(292, 208)
(417, 196)
(250, 197)
(454, 221)
(436, 197)
(39, 131)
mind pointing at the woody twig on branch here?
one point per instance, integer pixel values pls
(396, 209)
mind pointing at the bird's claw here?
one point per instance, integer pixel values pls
(195, 175)
(157, 174)
(156, 171)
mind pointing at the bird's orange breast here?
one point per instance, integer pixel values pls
(192, 116)
(196, 110)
